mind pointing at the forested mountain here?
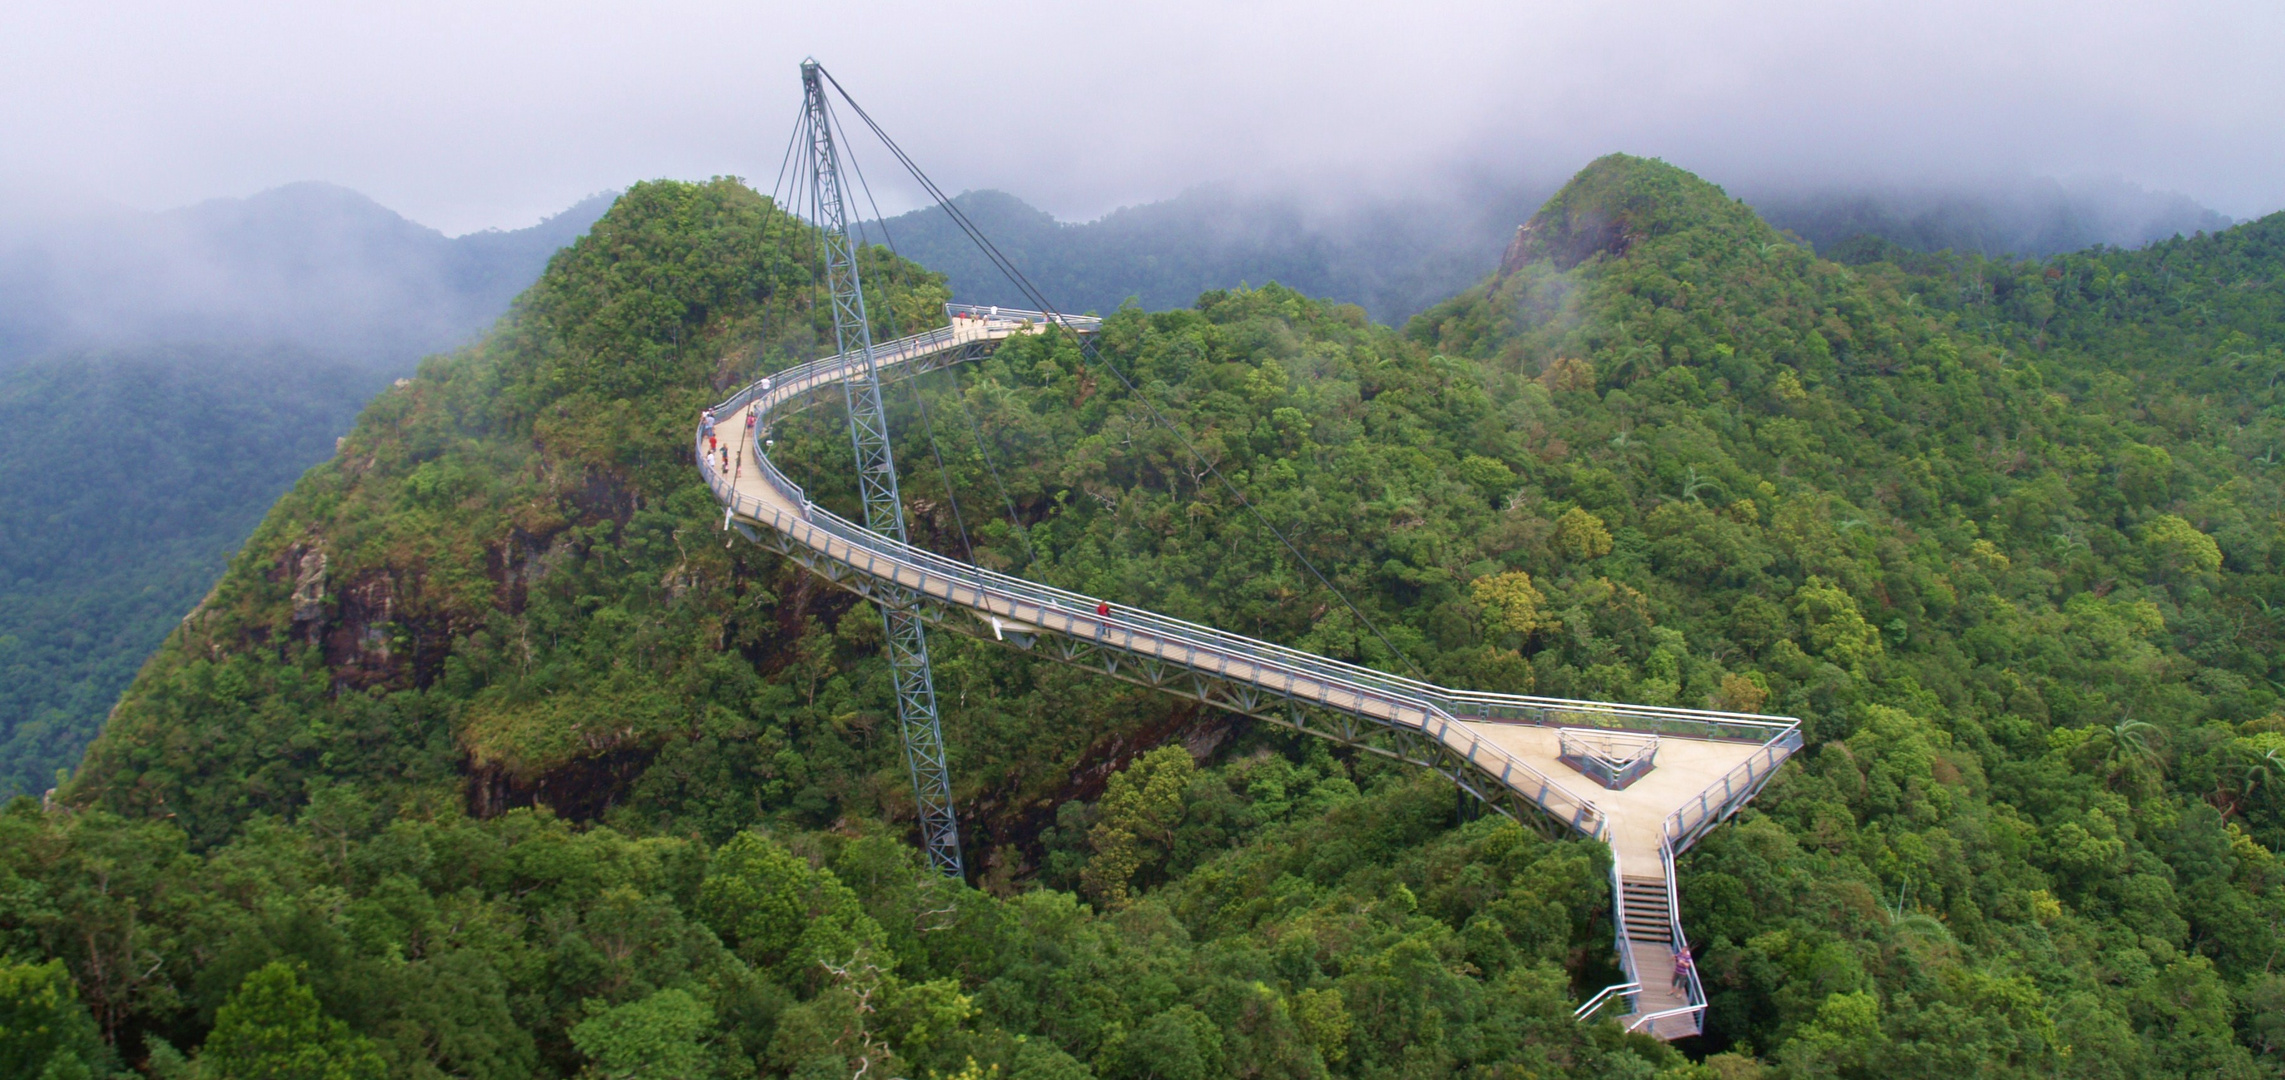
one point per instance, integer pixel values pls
(312, 268)
(2035, 218)
(492, 756)
(313, 289)
(163, 378)
(127, 482)
(1395, 257)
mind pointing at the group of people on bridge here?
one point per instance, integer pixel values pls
(714, 446)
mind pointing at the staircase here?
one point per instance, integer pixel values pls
(1650, 941)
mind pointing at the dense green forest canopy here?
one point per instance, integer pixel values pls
(163, 379)
(489, 756)
(131, 477)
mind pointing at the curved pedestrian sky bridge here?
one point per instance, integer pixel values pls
(1647, 781)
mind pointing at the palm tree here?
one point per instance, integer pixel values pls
(1693, 484)
(2130, 747)
(2263, 773)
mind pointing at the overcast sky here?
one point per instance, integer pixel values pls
(467, 114)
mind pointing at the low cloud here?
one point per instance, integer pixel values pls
(466, 116)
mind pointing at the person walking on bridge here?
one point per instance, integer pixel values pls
(1682, 966)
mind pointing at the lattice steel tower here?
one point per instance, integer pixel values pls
(877, 479)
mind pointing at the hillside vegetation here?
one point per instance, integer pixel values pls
(127, 480)
(491, 757)
(163, 379)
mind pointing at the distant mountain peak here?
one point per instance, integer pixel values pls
(1617, 201)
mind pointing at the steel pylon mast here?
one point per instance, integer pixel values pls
(877, 479)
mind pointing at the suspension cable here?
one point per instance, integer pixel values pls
(1016, 277)
(1015, 521)
(1023, 533)
(928, 426)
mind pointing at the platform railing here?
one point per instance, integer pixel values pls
(1621, 992)
(1722, 798)
(1613, 759)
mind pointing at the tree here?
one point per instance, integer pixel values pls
(782, 914)
(1141, 808)
(2178, 550)
(1509, 602)
(45, 1033)
(663, 1036)
(1580, 535)
(273, 1029)
(2128, 750)
(1837, 630)
(1178, 1044)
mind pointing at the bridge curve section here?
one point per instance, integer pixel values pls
(1502, 748)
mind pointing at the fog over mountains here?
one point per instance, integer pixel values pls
(1396, 257)
(310, 266)
(231, 342)
(323, 270)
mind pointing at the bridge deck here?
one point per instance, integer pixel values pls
(1637, 814)
(1639, 822)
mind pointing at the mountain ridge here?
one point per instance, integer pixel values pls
(246, 334)
(309, 265)
(496, 666)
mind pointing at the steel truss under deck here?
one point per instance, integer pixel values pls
(1396, 742)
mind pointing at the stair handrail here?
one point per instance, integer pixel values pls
(1618, 924)
(1635, 1023)
(1693, 990)
(1603, 997)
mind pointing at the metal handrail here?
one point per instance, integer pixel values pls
(1683, 827)
(1272, 666)
(1618, 923)
(1604, 997)
(1013, 316)
(1636, 1023)
(1594, 751)
(1693, 990)
(1475, 706)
